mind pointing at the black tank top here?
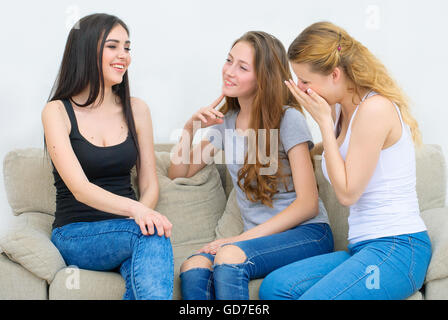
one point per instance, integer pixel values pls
(107, 167)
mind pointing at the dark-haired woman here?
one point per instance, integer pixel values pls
(95, 133)
(284, 220)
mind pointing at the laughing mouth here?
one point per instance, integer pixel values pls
(118, 66)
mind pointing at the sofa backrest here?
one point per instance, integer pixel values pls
(29, 184)
(28, 179)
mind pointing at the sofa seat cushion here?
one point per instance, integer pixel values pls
(28, 243)
(72, 283)
(79, 284)
(437, 289)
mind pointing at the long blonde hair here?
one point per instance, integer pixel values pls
(325, 46)
(271, 68)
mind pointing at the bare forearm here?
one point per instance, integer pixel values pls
(106, 201)
(335, 163)
(180, 158)
(150, 197)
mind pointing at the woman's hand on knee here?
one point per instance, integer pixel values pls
(149, 220)
(213, 247)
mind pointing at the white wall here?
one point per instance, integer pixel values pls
(178, 48)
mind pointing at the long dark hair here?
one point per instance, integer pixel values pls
(82, 66)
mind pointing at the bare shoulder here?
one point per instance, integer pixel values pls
(54, 111)
(377, 106)
(53, 108)
(141, 113)
(139, 107)
(375, 114)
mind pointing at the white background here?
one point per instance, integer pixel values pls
(178, 49)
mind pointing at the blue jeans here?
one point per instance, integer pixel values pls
(145, 262)
(389, 268)
(263, 255)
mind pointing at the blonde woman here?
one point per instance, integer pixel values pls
(369, 159)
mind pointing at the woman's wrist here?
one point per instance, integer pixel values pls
(134, 208)
(326, 125)
(189, 125)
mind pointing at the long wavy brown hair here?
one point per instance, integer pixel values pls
(271, 69)
(326, 46)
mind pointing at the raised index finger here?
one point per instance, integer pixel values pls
(217, 101)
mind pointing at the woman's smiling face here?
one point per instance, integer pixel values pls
(116, 56)
(238, 72)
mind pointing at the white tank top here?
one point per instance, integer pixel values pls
(389, 204)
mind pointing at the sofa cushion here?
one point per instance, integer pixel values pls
(431, 176)
(17, 283)
(79, 284)
(29, 181)
(193, 205)
(436, 221)
(337, 213)
(28, 243)
(231, 223)
(437, 290)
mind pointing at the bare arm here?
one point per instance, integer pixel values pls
(71, 172)
(319, 147)
(370, 128)
(184, 162)
(148, 184)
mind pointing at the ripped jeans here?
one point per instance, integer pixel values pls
(263, 255)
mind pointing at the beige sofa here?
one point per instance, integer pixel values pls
(201, 209)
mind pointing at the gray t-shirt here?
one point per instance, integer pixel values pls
(293, 131)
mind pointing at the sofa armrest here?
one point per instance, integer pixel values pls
(17, 283)
(436, 221)
(28, 243)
